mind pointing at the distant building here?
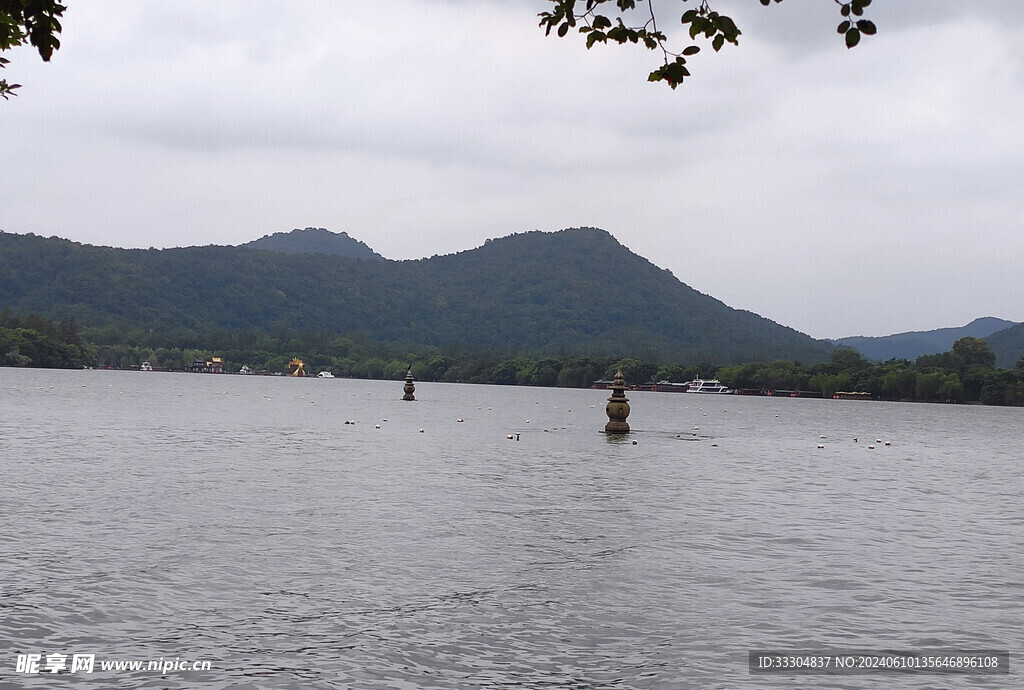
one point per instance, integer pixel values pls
(214, 365)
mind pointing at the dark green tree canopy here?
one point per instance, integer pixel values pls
(602, 21)
(970, 352)
(36, 22)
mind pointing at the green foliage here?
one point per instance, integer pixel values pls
(532, 309)
(634, 370)
(846, 359)
(579, 372)
(830, 384)
(701, 22)
(782, 375)
(913, 344)
(1008, 344)
(33, 341)
(1004, 388)
(575, 292)
(28, 21)
(968, 352)
(315, 241)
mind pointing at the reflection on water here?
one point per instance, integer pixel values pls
(240, 520)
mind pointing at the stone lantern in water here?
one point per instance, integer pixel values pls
(410, 387)
(617, 407)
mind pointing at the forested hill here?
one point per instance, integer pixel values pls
(574, 291)
(913, 344)
(315, 241)
(1008, 344)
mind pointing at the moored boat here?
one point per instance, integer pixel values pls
(707, 386)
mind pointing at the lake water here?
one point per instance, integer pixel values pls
(240, 521)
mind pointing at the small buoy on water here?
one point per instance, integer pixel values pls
(878, 440)
(714, 445)
(376, 426)
(517, 437)
(822, 436)
(509, 437)
(634, 443)
(421, 431)
(871, 447)
(887, 443)
(821, 445)
(696, 428)
(459, 419)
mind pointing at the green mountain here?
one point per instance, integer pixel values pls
(314, 241)
(1008, 344)
(913, 344)
(573, 291)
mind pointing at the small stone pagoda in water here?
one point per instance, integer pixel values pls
(617, 407)
(410, 387)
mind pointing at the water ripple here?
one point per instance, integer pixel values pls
(228, 519)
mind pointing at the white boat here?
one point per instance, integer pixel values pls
(325, 375)
(707, 386)
(146, 366)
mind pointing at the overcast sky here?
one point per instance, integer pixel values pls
(839, 192)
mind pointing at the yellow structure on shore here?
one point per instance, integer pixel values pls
(296, 367)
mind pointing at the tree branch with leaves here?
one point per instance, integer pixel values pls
(36, 22)
(586, 17)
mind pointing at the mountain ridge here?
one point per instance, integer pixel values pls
(1008, 344)
(910, 345)
(575, 290)
(314, 241)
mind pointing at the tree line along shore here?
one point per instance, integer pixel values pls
(965, 374)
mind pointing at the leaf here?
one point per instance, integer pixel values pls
(843, 27)
(852, 37)
(728, 27)
(563, 30)
(718, 42)
(867, 26)
(691, 50)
